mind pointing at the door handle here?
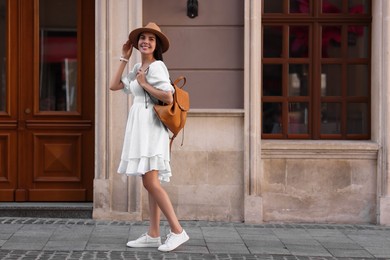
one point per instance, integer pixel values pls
(27, 111)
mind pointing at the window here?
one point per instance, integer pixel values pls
(316, 69)
(58, 55)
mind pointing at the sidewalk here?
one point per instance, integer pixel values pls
(36, 238)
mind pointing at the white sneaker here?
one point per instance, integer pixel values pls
(173, 241)
(145, 241)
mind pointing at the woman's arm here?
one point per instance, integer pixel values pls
(164, 96)
(116, 83)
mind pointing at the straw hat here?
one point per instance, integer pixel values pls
(152, 28)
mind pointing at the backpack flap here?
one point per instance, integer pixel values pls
(183, 99)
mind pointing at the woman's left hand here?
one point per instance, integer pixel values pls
(141, 77)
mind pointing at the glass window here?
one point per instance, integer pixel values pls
(273, 41)
(316, 70)
(357, 117)
(299, 6)
(331, 80)
(58, 55)
(330, 118)
(332, 6)
(3, 56)
(298, 118)
(358, 41)
(272, 112)
(358, 6)
(358, 80)
(272, 79)
(274, 6)
(331, 41)
(298, 80)
(299, 42)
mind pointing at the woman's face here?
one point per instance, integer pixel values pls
(147, 43)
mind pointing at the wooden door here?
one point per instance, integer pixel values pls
(47, 100)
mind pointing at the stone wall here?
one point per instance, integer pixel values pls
(207, 182)
(320, 182)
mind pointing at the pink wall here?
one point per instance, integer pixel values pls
(208, 49)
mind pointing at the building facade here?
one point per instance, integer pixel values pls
(314, 150)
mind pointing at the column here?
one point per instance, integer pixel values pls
(253, 207)
(381, 20)
(115, 196)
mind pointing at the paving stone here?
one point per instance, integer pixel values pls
(379, 252)
(264, 243)
(227, 248)
(107, 240)
(9, 228)
(23, 246)
(192, 249)
(303, 250)
(266, 237)
(106, 247)
(300, 241)
(269, 250)
(325, 233)
(341, 252)
(254, 231)
(29, 238)
(220, 232)
(341, 245)
(196, 242)
(65, 245)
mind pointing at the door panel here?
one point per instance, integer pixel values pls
(52, 136)
(8, 105)
(7, 165)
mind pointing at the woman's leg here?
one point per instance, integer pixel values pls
(154, 212)
(160, 196)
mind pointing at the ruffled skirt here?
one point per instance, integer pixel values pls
(146, 143)
(138, 167)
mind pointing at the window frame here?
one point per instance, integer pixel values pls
(315, 20)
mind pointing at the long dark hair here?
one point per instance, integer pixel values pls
(157, 54)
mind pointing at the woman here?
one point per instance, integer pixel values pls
(146, 143)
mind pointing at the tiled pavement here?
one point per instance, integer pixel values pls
(36, 238)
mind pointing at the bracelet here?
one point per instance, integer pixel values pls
(123, 59)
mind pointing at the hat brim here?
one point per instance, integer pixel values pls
(134, 35)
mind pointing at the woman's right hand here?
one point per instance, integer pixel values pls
(127, 49)
(115, 82)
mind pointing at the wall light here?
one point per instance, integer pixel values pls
(192, 8)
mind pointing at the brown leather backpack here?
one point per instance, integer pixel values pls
(174, 115)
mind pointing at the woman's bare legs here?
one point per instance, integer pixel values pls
(154, 212)
(161, 199)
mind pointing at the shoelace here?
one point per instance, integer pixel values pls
(169, 236)
(143, 235)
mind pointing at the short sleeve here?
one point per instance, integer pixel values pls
(129, 77)
(158, 76)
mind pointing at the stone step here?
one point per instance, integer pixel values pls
(46, 210)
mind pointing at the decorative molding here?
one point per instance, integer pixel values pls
(216, 113)
(305, 149)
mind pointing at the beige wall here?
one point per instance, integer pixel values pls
(208, 49)
(225, 171)
(332, 181)
(207, 182)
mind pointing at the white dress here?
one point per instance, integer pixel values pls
(146, 142)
